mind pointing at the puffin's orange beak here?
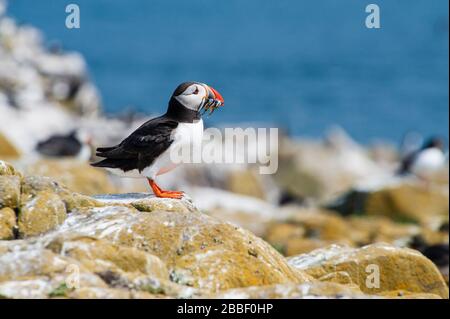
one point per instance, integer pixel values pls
(213, 100)
(217, 96)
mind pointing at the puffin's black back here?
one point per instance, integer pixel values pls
(141, 148)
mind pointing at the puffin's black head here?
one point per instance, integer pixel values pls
(434, 142)
(194, 97)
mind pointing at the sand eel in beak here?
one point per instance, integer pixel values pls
(426, 161)
(146, 152)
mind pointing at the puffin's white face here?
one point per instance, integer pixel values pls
(193, 97)
(196, 96)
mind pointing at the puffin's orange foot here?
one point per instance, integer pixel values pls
(163, 193)
(170, 194)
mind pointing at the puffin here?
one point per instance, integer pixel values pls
(146, 152)
(425, 161)
(76, 144)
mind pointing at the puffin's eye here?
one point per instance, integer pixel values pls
(195, 91)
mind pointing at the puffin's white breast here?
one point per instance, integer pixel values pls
(188, 134)
(185, 135)
(428, 161)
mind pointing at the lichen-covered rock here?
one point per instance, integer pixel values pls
(401, 294)
(7, 223)
(7, 149)
(9, 191)
(246, 182)
(100, 256)
(110, 293)
(372, 229)
(7, 169)
(406, 202)
(28, 271)
(78, 176)
(199, 250)
(409, 202)
(377, 268)
(308, 229)
(43, 212)
(294, 291)
(32, 185)
(27, 288)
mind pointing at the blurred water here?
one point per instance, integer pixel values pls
(303, 64)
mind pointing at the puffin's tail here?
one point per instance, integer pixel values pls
(114, 157)
(111, 163)
(115, 152)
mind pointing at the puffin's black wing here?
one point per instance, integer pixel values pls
(141, 148)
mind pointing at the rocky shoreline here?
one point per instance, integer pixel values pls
(139, 246)
(333, 222)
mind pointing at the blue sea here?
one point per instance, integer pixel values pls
(303, 65)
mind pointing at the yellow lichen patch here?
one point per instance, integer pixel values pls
(9, 191)
(409, 203)
(40, 214)
(32, 185)
(99, 255)
(7, 223)
(376, 268)
(206, 253)
(8, 169)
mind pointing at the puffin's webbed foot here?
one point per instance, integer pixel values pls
(164, 193)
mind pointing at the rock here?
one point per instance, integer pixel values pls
(108, 293)
(372, 229)
(78, 176)
(7, 150)
(401, 294)
(309, 229)
(247, 212)
(100, 256)
(398, 268)
(32, 185)
(7, 223)
(7, 169)
(34, 288)
(306, 230)
(437, 252)
(294, 291)
(246, 182)
(43, 212)
(321, 170)
(319, 290)
(9, 191)
(30, 271)
(429, 207)
(199, 251)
